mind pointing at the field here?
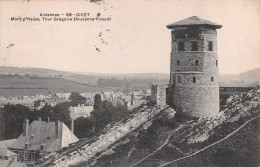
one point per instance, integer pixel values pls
(15, 86)
(31, 86)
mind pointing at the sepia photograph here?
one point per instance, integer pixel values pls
(129, 83)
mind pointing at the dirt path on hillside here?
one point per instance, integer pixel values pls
(164, 144)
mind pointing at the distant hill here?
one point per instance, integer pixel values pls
(248, 78)
(32, 71)
(54, 81)
(78, 75)
(159, 76)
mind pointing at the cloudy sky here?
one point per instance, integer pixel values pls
(136, 39)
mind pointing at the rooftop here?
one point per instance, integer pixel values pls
(6, 143)
(6, 152)
(194, 20)
(76, 112)
(43, 133)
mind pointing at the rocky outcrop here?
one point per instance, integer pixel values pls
(237, 106)
(115, 133)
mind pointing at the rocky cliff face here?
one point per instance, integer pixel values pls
(168, 138)
(152, 137)
(90, 151)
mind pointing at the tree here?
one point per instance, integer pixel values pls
(44, 113)
(2, 125)
(14, 116)
(98, 103)
(37, 103)
(61, 112)
(84, 127)
(76, 99)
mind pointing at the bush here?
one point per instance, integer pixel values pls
(181, 116)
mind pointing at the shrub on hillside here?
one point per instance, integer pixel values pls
(181, 116)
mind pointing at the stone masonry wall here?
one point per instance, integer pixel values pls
(196, 100)
(161, 95)
(158, 94)
(154, 93)
(200, 98)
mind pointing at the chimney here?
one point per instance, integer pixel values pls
(57, 129)
(132, 99)
(25, 127)
(72, 126)
(40, 119)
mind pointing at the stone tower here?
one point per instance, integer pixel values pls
(194, 85)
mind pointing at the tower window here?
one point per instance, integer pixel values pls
(216, 62)
(194, 79)
(178, 62)
(212, 79)
(194, 45)
(173, 37)
(196, 62)
(179, 79)
(180, 46)
(210, 46)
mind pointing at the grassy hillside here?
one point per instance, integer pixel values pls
(238, 151)
(44, 81)
(31, 86)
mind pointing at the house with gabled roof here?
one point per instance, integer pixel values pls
(41, 138)
(5, 153)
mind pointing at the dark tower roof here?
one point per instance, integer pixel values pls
(193, 21)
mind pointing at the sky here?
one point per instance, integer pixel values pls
(134, 40)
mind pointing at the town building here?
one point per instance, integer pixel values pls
(79, 111)
(5, 153)
(54, 100)
(41, 138)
